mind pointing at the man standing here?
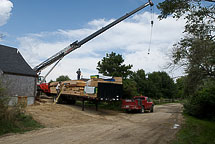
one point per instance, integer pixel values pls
(78, 74)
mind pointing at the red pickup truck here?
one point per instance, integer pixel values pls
(138, 103)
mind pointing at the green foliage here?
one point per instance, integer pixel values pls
(180, 86)
(129, 88)
(116, 106)
(51, 81)
(63, 78)
(156, 85)
(202, 102)
(140, 78)
(175, 7)
(196, 131)
(12, 118)
(112, 65)
(19, 124)
(159, 84)
(195, 52)
(198, 56)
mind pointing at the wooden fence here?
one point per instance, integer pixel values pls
(160, 101)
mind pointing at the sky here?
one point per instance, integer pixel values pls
(41, 28)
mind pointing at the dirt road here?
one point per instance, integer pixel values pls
(68, 124)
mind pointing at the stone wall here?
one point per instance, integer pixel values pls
(19, 86)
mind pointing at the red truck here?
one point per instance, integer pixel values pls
(138, 103)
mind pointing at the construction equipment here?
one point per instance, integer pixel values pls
(77, 44)
(106, 91)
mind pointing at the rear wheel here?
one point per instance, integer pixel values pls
(152, 109)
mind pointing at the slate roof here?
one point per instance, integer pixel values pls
(12, 62)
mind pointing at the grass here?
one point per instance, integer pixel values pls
(22, 123)
(196, 131)
(13, 118)
(116, 106)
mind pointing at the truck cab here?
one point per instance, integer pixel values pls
(138, 103)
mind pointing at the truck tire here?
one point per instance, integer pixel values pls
(152, 109)
(142, 109)
(127, 111)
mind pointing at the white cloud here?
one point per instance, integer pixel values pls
(129, 38)
(5, 11)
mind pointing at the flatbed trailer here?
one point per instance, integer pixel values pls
(71, 99)
(104, 91)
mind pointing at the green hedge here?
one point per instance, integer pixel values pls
(202, 103)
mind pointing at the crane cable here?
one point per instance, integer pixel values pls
(152, 23)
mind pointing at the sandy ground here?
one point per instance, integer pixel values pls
(66, 124)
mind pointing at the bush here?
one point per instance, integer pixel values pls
(13, 118)
(202, 103)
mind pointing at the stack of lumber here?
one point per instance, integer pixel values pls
(94, 81)
(76, 87)
(72, 87)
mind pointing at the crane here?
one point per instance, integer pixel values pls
(77, 44)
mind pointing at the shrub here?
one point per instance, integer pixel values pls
(13, 118)
(129, 88)
(202, 103)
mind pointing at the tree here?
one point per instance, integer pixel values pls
(195, 52)
(112, 65)
(154, 85)
(63, 78)
(129, 88)
(180, 85)
(51, 81)
(177, 8)
(140, 78)
(159, 84)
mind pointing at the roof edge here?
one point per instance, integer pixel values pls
(20, 74)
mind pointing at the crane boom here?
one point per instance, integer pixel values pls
(77, 44)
